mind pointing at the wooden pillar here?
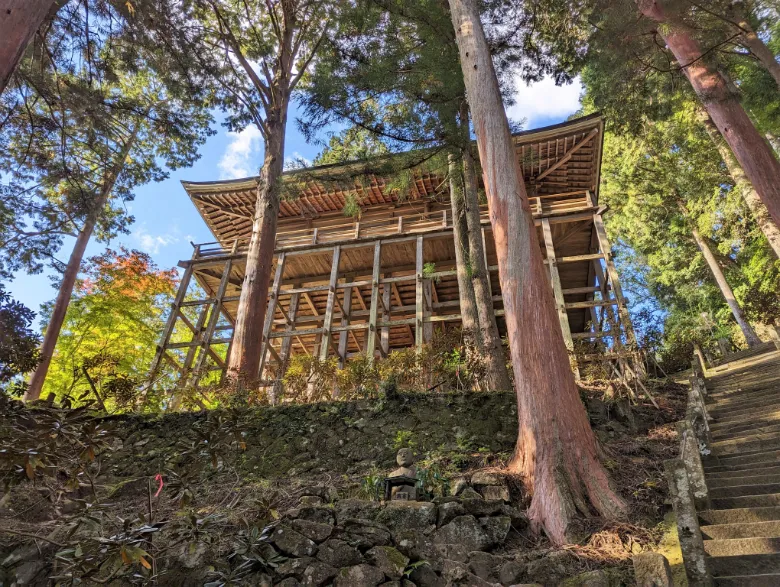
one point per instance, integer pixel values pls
(197, 340)
(560, 302)
(216, 312)
(428, 303)
(171, 322)
(284, 352)
(273, 299)
(617, 291)
(384, 343)
(419, 298)
(614, 323)
(374, 311)
(346, 307)
(328, 322)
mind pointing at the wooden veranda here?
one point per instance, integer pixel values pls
(347, 286)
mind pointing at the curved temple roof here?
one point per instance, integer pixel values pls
(555, 159)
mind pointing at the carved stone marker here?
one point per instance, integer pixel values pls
(401, 484)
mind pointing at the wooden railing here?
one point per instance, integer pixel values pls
(553, 204)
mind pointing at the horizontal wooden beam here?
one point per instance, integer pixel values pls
(590, 304)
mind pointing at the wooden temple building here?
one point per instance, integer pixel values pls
(385, 279)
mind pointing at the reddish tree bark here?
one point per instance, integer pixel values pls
(753, 42)
(753, 153)
(556, 451)
(65, 292)
(19, 19)
(468, 304)
(244, 359)
(741, 183)
(496, 372)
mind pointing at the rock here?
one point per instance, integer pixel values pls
(415, 545)
(651, 569)
(317, 574)
(362, 575)
(495, 492)
(293, 543)
(449, 511)
(407, 515)
(458, 574)
(482, 507)
(496, 529)
(321, 515)
(518, 518)
(294, 567)
(552, 568)
(355, 508)
(338, 553)
(289, 582)
(312, 530)
(487, 478)
(391, 584)
(485, 566)
(425, 576)
(589, 579)
(465, 531)
(388, 560)
(458, 486)
(311, 501)
(469, 493)
(365, 534)
(511, 573)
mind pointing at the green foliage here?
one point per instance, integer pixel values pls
(372, 485)
(111, 329)
(404, 439)
(18, 342)
(352, 207)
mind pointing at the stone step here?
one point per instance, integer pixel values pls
(741, 461)
(754, 409)
(771, 580)
(739, 515)
(739, 446)
(755, 564)
(767, 500)
(771, 412)
(745, 421)
(742, 397)
(751, 472)
(746, 429)
(770, 529)
(743, 490)
(742, 546)
(746, 480)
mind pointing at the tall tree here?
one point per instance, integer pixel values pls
(79, 141)
(265, 49)
(556, 450)
(18, 341)
(20, 19)
(401, 59)
(750, 148)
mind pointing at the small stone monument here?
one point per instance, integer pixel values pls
(401, 484)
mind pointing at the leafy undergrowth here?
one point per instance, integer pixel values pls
(132, 499)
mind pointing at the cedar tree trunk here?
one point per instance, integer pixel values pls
(65, 292)
(497, 374)
(725, 289)
(244, 360)
(741, 183)
(556, 450)
(754, 43)
(19, 19)
(753, 153)
(468, 304)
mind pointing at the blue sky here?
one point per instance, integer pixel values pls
(166, 221)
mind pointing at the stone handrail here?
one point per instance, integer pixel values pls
(685, 475)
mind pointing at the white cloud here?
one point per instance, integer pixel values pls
(151, 243)
(541, 101)
(296, 161)
(242, 154)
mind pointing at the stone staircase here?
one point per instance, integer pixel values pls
(741, 526)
